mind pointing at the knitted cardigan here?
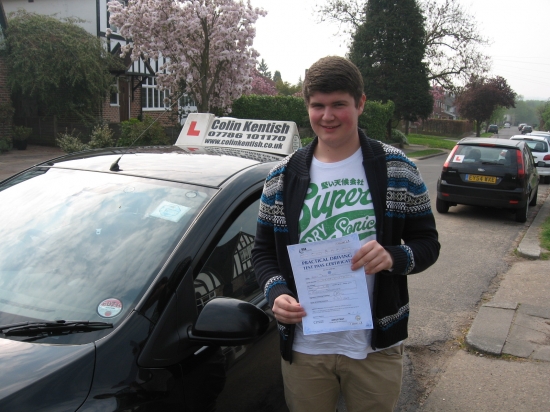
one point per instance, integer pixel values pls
(405, 226)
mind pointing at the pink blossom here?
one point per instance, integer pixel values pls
(206, 43)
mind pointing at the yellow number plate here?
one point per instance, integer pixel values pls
(482, 179)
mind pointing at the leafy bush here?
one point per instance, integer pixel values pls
(102, 136)
(5, 144)
(21, 133)
(147, 132)
(6, 113)
(70, 143)
(398, 137)
(375, 117)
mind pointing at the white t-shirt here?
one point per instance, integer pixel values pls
(338, 203)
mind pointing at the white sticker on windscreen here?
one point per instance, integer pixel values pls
(170, 211)
(458, 158)
(109, 308)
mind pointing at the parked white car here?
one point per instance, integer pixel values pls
(540, 149)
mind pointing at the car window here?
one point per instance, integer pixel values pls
(228, 270)
(537, 146)
(478, 154)
(87, 246)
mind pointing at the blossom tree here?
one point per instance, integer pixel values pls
(261, 85)
(206, 44)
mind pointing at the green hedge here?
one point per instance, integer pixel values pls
(375, 117)
(441, 127)
(282, 108)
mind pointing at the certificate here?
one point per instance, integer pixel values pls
(334, 297)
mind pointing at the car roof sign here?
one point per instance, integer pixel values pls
(203, 130)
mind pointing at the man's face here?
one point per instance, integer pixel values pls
(334, 117)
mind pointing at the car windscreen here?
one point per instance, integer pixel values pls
(79, 245)
(486, 155)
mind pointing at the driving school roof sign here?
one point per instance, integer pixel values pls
(203, 130)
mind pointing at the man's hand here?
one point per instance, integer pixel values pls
(288, 310)
(373, 257)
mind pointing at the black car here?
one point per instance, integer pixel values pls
(526, 129)
(489, 172)
(126, 281)
(493, 128)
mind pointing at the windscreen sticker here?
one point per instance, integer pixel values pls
(458, 158)
(170, 211)
(109, 308)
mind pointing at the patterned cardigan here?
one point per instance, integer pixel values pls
(405, 226)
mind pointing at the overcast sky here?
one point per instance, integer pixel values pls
(290, 39)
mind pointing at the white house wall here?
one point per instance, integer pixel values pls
(82, 9)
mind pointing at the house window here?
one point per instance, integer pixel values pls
(114, 94)
(151, 97)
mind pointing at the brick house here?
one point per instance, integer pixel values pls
(134, 92)
(444, 104)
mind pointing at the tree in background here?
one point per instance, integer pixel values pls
(388, 49)
(287, 89)
(497, 117)
(545, 116)
(262, 85)
(263, 69)
(451, 40)
(207, 45)
(57, 63)
(277, 76)
(525, 111)
(482, 96)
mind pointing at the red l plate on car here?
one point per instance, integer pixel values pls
(481, 179)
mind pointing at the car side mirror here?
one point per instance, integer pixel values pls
(541, 164)
(228, 322)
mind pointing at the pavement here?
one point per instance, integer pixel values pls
(504, 364)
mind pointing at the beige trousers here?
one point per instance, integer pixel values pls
(314, 382)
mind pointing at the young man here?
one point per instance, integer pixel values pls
(344, 182)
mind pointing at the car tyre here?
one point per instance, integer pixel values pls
(441, 206)
(521, 213)
(533, 201)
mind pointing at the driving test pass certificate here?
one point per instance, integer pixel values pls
(334, 297)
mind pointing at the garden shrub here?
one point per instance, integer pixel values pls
(375, 117)
(147, 132)
(70, 143)
(398, 137)
(5, 144)
(102, 136)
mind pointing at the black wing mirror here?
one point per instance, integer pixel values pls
(228, 322)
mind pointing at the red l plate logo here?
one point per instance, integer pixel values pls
(192, 131)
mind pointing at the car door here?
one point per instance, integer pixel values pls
(237, 378)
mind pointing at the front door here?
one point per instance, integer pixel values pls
(124, 102)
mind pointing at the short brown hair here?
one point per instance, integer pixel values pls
(333, 74)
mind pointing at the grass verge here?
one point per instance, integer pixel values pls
(435, 142)
(545, 238)
(422, 153)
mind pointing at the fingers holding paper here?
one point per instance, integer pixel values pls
(373, 257)
(288, 310)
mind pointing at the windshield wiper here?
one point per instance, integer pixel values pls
(56, 327)
(491, 163)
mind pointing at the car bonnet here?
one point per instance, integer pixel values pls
(54, 374)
